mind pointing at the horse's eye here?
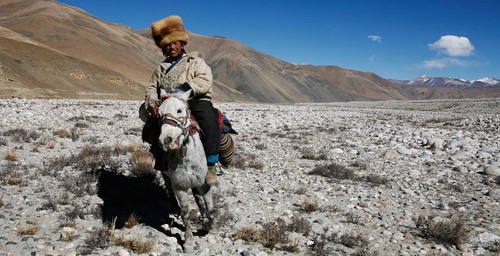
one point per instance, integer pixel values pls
(179, 111)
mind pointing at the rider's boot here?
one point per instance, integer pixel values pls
(211, 178)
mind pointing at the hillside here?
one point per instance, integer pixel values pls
(52, 50)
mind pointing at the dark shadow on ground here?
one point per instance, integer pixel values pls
(123, 196)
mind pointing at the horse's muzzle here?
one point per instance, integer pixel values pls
(169, 144)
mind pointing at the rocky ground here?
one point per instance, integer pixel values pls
(364, 178)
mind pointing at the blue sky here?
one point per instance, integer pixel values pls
(400, 39)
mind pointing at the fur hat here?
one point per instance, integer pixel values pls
(168, 30)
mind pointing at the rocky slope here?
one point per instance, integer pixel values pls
(80, 56)
(387, 178)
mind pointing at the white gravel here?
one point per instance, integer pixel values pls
(433, 160)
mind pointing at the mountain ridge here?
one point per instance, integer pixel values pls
(81, 56)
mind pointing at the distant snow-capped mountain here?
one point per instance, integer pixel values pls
(443, 82)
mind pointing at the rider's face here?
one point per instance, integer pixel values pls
(173, 50)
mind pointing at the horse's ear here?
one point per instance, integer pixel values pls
(185, 95)
(163, 93)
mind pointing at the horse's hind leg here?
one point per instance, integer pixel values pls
(182, 197)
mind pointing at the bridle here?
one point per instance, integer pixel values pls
(179, 122)
(185, 123)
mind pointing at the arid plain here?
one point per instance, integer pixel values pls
(358, 178)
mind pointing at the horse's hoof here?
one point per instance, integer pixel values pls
(189, 248)
(210, 225)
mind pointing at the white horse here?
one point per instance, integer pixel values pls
(185, 162)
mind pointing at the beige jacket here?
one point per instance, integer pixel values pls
(192, 70)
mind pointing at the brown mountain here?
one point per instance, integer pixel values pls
(52, 50)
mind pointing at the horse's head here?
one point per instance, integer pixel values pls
(174, 115)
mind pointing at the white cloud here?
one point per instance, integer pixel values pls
(443, 63)
(375, 38)
(453, 45)
(372, 58)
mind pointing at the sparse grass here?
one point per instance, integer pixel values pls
(310, 205)
(352, 241)
(324, 244)
(132, 220)
(64, 199)
(301, 191)
(51, 204)
(17, 135)
(334, 171)
(249, 234)
(360, 165)
(134, 244)
(259, 165)
(74, 212)
(142, 163)
(300, 225)
(452, 231)
(28, 229)
(365, 251)
(99, 237)
(68, 233)
(35, 146)
(10, 155)
(273, 235)
(377, 179)
(4, 141)
(62, 133)
(311, 155)
(16, 179)
(51, 144)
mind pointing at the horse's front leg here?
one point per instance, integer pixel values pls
(204, 200)
(182, 198)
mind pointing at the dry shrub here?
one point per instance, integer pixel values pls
(35, 146)
(365, 251)
(352, 241)
(10, 155)
(249, 234)
(4, 141)
(68, 233)
(274, 233)
(259, 165)
(324, 244)
(301, 191)
(62, 133)
(300, 225)
(452, 231)
(377, 179)
(29, 228)
(99, 237)
(135, 244)
(16, 179)
(360, 165)
(64, 199)
(51, 144)
(311, 155)
(334, 171)
(321, 245)
(310, 206)
(17, 135)
(132, 220)
(142, 163)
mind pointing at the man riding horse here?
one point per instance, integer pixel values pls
(181, 72)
